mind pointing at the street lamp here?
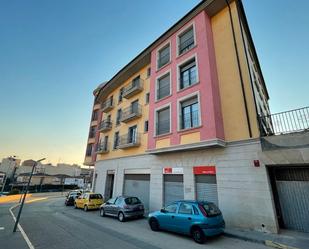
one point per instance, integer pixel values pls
(25, 193)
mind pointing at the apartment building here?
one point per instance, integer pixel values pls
(180, 121)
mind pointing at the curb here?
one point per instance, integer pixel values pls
(269, 243)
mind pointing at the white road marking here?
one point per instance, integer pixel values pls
(1, 228)
(21, 229)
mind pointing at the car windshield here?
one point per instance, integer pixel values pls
(132, 201)
(211, 209)
(95, 196)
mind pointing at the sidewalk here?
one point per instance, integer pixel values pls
(285, 240)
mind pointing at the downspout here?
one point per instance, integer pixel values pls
(238, 3)
(239, 70)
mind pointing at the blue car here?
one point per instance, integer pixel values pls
(199, 219)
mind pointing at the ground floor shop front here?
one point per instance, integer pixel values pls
(233, 177)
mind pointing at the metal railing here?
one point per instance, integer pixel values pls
(107, 104)
(285, 122)
(131, 112)
(105, 125)
(129, 140)
(102, 147)
(134, 86)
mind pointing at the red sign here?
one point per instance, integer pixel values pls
(168, 170)
(204, 170)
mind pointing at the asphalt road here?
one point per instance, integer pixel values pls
(50, 225)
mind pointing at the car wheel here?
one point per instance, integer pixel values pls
(198, 235)
(102, 212)
(85, 208)
(154, 225)
(121, 217)
(141, 216)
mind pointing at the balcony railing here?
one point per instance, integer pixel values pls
(129, 140)
(102, 148)
(107, 105)
(133, 88)
(131, 112)
(105, 125)
(285, 122)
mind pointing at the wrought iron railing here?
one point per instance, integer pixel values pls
(134, 85)
(129, 139)
(131, 111)
(102, 147)
(107, 104)
(285, 122)
(105, 125)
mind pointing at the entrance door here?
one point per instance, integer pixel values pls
(173, 188)
(109, 186)
(292, 196)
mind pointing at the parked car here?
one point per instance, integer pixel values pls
(74, 191)
(123, 207)
(89, 201)
(70, 198)
(195, 218)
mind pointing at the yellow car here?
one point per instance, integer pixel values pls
(88, 201)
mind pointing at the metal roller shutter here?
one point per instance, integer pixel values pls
(138, 185)
(206, 188)
(173, 188)
(293, 192)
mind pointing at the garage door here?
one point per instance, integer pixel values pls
(293, 194)
(206, 188)
(173, 188)
(138, 185)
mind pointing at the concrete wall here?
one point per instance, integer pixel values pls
(243, 190)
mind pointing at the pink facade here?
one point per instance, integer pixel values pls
(207, 86)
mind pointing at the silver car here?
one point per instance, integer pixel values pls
(123, 207)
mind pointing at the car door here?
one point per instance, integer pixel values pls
(184, 218)
(167, 217)
(108, 207)
(118, 205)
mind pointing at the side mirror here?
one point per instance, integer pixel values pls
(163, 210)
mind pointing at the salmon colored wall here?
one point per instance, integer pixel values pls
(211, 119)
(232, 102)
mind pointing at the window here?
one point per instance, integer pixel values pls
(94, 115)
(89, 150)
(134, 106)
(147, 98)
(135, 82)
(92, 132)
(132, 138)
(164, 56)
(132, 201)
(185, 208)
(148, 72)
(163, 86)
(119, 114)
(116, 140)
(188, 74)
(171, 208)
(186, 41)
(118, 201)
(189, 113)
(120, 95)
(196, 212)
(163, 121)
(146, 126)
(105, 143)
(111, 201)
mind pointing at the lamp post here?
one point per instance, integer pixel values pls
(25, 193)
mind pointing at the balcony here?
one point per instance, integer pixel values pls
(105, 125)
(129, 141)
(133, 88)
(130, 113)
(102, 148)
(107, 105)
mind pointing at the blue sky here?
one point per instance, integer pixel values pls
(54, 53)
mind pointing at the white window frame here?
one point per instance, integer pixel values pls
(184, 98)
(167, 43)
(179, 65)
(157, 81)
(169, 105)
(180, 32)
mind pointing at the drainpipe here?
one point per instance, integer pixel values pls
(239, 70)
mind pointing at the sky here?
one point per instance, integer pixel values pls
(53, 54)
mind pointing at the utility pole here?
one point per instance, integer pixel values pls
(25, 193)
